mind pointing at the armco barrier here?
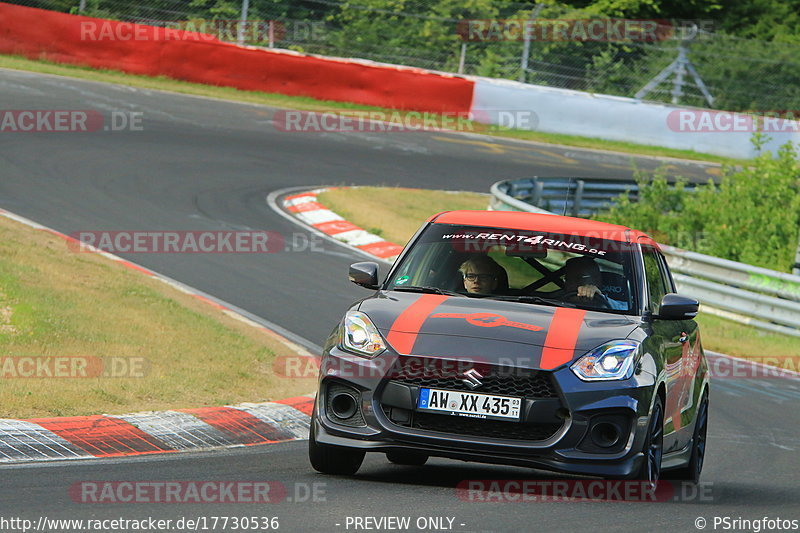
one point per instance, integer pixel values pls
(40, 34)
(573, 196)
(750, 295)
(613, 118)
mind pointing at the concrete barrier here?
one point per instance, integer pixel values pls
(616, 118)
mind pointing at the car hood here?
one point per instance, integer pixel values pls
(493, 331)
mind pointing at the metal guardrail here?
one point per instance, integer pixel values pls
(568, 195)
(573, 196)
(750, 295)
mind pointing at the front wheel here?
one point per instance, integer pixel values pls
(653, 449)
(336, 460)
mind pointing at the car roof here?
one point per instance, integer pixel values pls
(519, 220)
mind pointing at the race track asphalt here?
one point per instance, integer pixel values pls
(199, 164)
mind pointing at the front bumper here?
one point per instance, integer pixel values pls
(558, 430)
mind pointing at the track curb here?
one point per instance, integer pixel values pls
(303, 206)
(95, 436)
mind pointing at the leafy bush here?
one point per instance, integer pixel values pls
(751, 216)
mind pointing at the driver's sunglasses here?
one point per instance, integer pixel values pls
(481, 277)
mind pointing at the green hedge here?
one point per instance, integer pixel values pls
(752, 215)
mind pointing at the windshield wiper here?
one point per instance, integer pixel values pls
(528, 299)
(426, 290)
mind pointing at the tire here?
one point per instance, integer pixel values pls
(335, 460)
(653, 448)
(691, 472)
(401, 457)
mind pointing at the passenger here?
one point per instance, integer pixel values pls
(481, 274)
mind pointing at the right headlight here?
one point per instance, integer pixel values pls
(359, 335)
(610, 361)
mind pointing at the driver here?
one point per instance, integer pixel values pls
(583, 278)
(481, 274)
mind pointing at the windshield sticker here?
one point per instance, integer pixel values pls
(402, 280)
(488, 320)
(529, 240)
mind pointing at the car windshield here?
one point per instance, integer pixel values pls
(523, 265)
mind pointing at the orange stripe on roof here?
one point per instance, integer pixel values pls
(559, 345)
(403, 333)
(540, 222)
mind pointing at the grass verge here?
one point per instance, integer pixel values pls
(310, 104)
(397, 213)
(58, 303)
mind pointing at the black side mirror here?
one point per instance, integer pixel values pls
(365, 274)
(677, 307)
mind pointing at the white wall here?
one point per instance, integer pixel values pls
(622, 119)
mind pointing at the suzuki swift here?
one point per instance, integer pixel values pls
(522, 339)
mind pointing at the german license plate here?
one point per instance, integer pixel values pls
(470, 404)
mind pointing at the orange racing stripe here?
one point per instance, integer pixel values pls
(562, 335)
(403, 333)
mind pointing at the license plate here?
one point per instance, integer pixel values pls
(470, 404)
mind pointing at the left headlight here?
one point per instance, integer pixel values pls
(360, 335)
(610, 361)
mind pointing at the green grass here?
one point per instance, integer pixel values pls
(400, 212)
(727, 336)
(57, 303)
(310, 104)
(396, 213)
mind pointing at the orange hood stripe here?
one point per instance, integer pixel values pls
(403, 333)
(562, 335)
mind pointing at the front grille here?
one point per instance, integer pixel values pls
(507, 381)
(493, 429)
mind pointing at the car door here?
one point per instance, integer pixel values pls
(689, 339)
(669, 340)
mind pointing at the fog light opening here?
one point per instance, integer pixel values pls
(605, 434)
(343, 405)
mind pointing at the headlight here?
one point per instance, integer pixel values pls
(610, 361)
(360, 335)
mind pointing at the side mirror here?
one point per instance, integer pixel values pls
(364, 274)
(677, 307)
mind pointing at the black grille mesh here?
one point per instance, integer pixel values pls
(432, 373)
(436, 374)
